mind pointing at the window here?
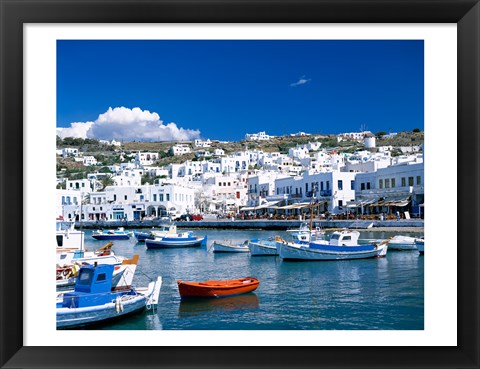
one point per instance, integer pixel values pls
(321, 186)
(362, 186)
(161, 197)
(404, 182)
(352, 185)
(229, 183)
(340, 203)
(220, 184)
(83, 184)
(393, 182)
(102, 277)
(368, 185)
(114, 197)
(340, 184)
(154, 197)
(346, 238)
(419, 180)
(168, 197)
(410, 181)
(387, 183)
(328, 185)
(380, 183)
(125, 197)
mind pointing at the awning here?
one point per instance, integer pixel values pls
(392, 201)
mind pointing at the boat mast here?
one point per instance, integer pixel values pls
(311, 206)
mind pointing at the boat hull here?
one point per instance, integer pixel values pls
(213, 289)
(105, 237)
(169, 243)
(142, 236)
(420, 247)
(288, 251)
(72, 318)
(263, 248)
(227, 248)
(401, 246)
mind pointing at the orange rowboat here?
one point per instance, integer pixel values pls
(217, 288)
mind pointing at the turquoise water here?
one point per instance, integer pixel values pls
(368, 294)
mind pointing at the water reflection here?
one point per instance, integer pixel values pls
(195, 307)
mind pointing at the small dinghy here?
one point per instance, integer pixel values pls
(229, 246)
(112, 234)
(217, 288)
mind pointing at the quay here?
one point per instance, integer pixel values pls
(413, 225)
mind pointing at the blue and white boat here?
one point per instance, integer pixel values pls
(94, 301)
(266, 247)
(342, 245)
(185, 239)
(112, 234)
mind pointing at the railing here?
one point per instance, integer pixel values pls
(326, 193)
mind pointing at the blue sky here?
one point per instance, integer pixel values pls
(224, 89)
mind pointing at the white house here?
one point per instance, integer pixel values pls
(69, 152)
(201, 143)
(180, 149)
(260, 136)
(89, 160)
(146, 158)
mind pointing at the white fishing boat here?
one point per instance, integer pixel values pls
(267, 247)
(229, 246)
(342, 245)
(95, 300)
(400, 242)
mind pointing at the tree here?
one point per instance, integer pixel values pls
(381, 133)
(107, 181)
(416, 130)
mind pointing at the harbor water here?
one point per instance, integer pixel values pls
(369, 294)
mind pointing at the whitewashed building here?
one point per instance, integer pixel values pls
(180, 149)
(146, 158)
(260, 136)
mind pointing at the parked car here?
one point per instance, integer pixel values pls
(197, 217)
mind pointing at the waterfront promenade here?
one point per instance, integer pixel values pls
(411, 225)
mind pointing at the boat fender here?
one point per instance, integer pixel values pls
(118, 305)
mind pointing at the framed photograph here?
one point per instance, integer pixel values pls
(52, 52)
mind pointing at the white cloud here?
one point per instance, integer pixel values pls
(128, 124)
(301, 81)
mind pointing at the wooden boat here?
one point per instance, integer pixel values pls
(402, 243)
(266, 247)
(229, 246)
(94, 300)
(343, 245)
(185, 239)
(112, 234)
(420, 243)
(214, 288)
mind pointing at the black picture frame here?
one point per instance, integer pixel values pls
(465, 13)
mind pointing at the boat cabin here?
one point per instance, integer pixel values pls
(344, 238)
(92, 287)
